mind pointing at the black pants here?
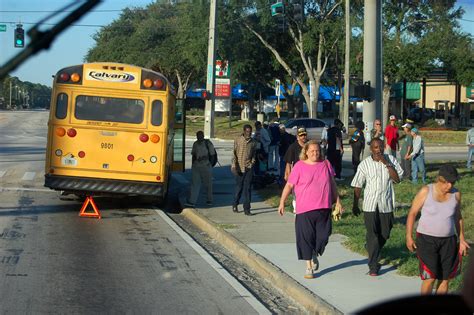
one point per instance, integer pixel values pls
(335, 157)
(243, 186)
(356, 152)
(406, 167)
(378, 226)
(312, 229)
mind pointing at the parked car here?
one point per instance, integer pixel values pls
(314, 127)
(415, 114)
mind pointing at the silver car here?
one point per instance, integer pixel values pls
(314, 127)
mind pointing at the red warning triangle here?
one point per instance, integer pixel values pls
(83, 213)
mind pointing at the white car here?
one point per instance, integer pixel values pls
(314, 127)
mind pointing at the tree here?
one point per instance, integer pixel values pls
(314, 40)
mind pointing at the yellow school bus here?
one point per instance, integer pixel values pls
(113, 129)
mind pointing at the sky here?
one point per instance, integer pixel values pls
(71, 46)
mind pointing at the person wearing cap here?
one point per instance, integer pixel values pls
(436, 242)
(335, 149)
(377, 172)
(293, 153)
(405, 150)
(391, 137)
(470, 147)
(417, 157)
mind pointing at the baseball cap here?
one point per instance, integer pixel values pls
(281, 126)
(392, 117)
(407, 125)
(449, 173)
(415, 130)
(302, 131)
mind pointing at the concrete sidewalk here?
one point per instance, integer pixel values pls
(342, 279)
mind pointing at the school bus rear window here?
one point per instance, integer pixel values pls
(61, 106)
(109, 109)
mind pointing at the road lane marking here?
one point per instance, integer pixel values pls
(2, 173)
(244, 293)
(26, 189)
(28, 176)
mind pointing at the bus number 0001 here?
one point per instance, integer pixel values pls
(105, 145)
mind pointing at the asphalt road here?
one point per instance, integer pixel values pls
(133, 260)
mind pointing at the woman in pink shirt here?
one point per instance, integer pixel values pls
(312, 179)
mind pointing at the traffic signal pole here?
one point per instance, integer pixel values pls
(372, 65)
(345, 112)
(211, 73)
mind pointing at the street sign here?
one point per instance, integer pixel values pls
(222, 68)
(277, 8)
(3, 27)
(222, 88)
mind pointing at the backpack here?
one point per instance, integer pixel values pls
(212, 157)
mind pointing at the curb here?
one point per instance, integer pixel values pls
(280, 280)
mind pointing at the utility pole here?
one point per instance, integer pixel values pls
(345, 114)
(372, 65)
(211, 72)
(10, 105)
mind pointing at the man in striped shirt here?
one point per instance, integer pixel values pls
(377, 172)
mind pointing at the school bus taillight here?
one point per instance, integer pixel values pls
(60, 132)
(158, 177)
(64, 77)
(143, 137)
(75, 77)
(130, 157)
(71, 132)
(155, 138)
(81, 154)
(159, 84)
(147, 83)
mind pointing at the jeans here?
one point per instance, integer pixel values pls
(418, 165)
(469, 157)
(201, 175)
(273, 157)
(243, 188)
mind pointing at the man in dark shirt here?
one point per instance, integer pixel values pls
(335, 149)
(293, 153)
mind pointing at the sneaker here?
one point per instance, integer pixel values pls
(235, 209)
(315, 262)
(309, 274)
(375, 272)
(339, 179)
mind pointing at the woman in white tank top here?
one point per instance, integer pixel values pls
(437, 246)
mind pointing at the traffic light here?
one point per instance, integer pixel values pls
(206, 95)
(19, 36)
(298, 11)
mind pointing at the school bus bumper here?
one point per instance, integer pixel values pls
(100, 185)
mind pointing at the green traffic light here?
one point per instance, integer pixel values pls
(19, 42)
